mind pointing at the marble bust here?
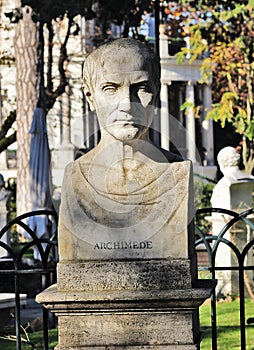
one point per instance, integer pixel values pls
(126, 198)
(228, 160)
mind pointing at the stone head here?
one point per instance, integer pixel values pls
(122, 83)
(228, 157)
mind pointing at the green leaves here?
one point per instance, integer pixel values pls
(191, 107)
(228, 110)
(223, 111)
(249, 131)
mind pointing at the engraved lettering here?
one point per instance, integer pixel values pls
(149, 245)
(135, 245)
(109, 245)
(123, 245)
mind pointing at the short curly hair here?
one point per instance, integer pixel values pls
(228, 156)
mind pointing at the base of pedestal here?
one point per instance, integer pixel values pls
(159, 347)
(166, 319)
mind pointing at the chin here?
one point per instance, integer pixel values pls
(125, 133)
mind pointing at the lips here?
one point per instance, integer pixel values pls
(123, 122)
(122, 117)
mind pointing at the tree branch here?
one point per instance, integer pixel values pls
(50, 56)
(7, 141)
(52, 95)
(7, 124)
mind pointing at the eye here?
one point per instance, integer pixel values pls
(143, 87)
(109, 88)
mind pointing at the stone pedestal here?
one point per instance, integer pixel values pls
(132, 286)
(126, 305)
(127, 272)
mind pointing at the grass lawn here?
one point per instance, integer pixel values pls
(35, 338)
(228, 329)
(227, 321)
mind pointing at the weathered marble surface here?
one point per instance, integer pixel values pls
(127, 273)
(126, 319)
(144, 218)
(126, 198)
(114, 275)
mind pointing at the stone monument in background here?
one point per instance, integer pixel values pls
(234, 192)
(127, 276)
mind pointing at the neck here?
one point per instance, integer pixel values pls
(124, 149)
(128, 151)
(229, 169)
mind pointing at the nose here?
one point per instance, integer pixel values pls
(125, 100)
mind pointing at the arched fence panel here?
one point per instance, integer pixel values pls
(215, 241)
(44, 247)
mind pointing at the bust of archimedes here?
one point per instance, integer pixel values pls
(126, 188)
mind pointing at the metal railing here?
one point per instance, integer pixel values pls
(47, 269)
(47, 266)
(212, 243)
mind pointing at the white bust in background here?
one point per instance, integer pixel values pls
(228, 159)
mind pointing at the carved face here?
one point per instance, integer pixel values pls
(124, 96)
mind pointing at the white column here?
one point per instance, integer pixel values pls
(190, 124)
(207, 126)
(188, 46)
(163, 43)
(66, 118)
(66, 148)
(164, 117)
(83, 34)
(65, 152)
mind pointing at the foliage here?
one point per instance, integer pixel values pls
(202, 196)
(190, 106)
(203, 193)
(223, 35)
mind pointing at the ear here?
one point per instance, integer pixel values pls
(90, 100)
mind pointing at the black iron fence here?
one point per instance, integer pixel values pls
(206, 243)
(242, 254)
(15, 269)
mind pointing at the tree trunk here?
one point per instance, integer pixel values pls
(25, 43)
